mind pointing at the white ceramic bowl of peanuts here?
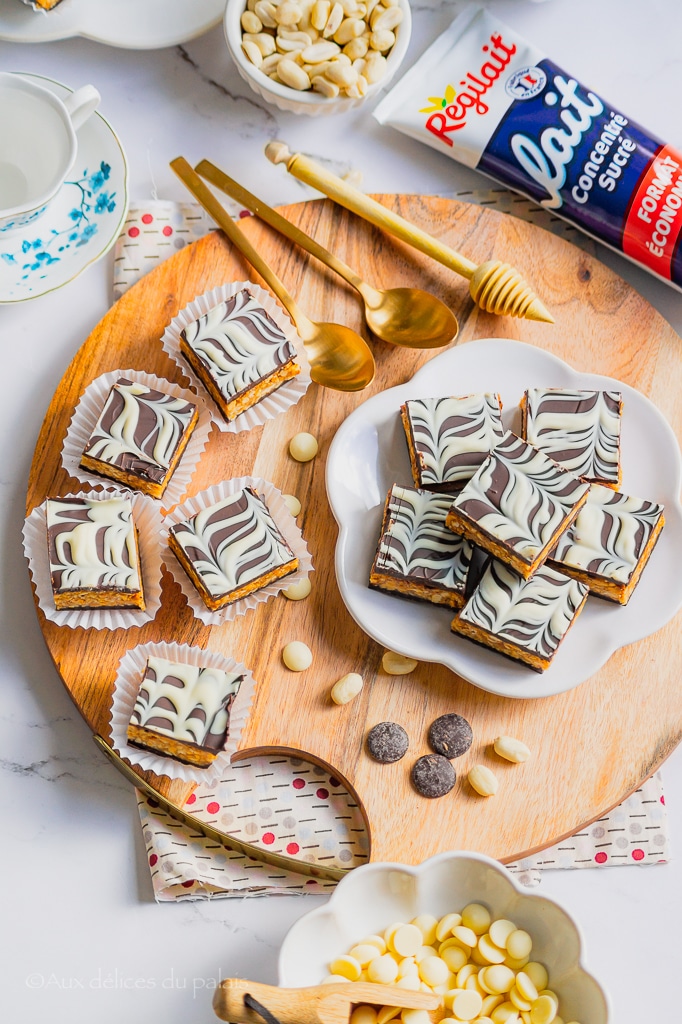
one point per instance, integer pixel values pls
(317, 56)
(458, 925)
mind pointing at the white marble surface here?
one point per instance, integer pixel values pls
(82, 938)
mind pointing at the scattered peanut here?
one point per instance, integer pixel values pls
(397, 665)
(313, 32)
(511, 749)
(344, 689)
(484, 782)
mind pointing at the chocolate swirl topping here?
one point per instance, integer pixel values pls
(533, 614)
(453, 436)
(417, 545)
(186, 702)
(232, 542)
(92, 544)
(578, 429)
(139, 430)
(238, 343)
(520, 497)
(609, 534)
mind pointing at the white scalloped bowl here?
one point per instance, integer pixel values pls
(310, 103)
(372, 897)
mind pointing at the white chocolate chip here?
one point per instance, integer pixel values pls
(303, 447)
(297, 656)
(407, 939)
(383, 970)
(537, 974)
(397, 665)
(466, 1005)
(343, 691)
(519, 944)
(298, 591)
(292, 503)
(476, 917)
(482, 780)
(347, 966)
(363, 1015)
(363, 952)
(500, 930)
(511, 749)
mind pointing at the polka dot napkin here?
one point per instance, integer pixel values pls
(289, 806)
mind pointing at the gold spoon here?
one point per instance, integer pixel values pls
(402, 316)
(494, 286)
(339, 358)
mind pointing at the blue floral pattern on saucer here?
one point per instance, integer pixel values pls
(78, 226)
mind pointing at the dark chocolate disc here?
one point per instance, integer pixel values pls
(433, 775)
(450, 735)
(387, 742)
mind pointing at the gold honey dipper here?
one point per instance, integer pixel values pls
(494, 286)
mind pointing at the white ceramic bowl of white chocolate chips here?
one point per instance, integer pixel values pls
(317, 56)
(457, 925)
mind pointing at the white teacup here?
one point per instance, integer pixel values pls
(38, 145)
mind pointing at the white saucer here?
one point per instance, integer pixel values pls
(81, 223)
(369, 454)
(131, 24)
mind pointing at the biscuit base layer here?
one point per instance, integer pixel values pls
(460, 524)
(612, 590)
(188, 753)
(214, 604)
(420, 591)
(480, 636)
(231, 408)
(154, 488)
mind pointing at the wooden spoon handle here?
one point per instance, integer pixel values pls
(305, 169)
(321, 1004)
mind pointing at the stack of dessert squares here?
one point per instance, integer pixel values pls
(544, 509)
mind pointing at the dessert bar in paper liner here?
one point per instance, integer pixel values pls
(131, 670)
(147, 519)
(89, 409)
(273, 404)
(284, 522)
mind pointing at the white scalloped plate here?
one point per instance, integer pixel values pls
(373, 896)
(369, 453)
(130, 24)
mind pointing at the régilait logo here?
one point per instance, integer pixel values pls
(526, 83)
(449, 113)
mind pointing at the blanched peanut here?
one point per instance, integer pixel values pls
(349, 29)
(287, 14)
(325, 87)
(322, 51)
(482, 780)
(333, 21)
(252, 52)
(293, 75)
(397, 665)
(385, 18)
(251, 22)
(343, 691)
(511, 749)
(266, 13)
(382, 40)
(270, 63)
(319, 14)
(358, 89)
(356, 48)
(375, 67)
(298, 591)
(263, 40)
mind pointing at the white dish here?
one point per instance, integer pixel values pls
(369, 454)
(127, 23)
(81, 223)
(374, 896)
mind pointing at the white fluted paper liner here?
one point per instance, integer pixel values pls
(272, 405)
(88, 411)
(126, 688)
(284, 521)
(147, 519)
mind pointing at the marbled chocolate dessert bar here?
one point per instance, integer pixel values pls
(517, 505)
(140, 436)
(449, 438)
(609, 543)
(417, 555)
(524, 619)
(93, 553)
(578, 429)
(183, 711)
(239, 353)
(232, 549)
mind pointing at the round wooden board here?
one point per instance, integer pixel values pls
(591, 746)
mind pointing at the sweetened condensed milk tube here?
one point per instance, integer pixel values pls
(484, 96)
